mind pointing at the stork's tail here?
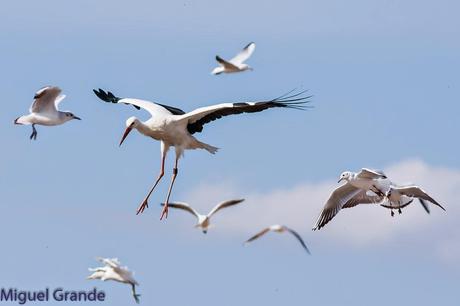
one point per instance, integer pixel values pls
(209, 148)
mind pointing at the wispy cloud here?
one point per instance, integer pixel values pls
(363, 226)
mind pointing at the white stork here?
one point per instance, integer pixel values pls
(173, 127)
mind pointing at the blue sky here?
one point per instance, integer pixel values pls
(384, 75)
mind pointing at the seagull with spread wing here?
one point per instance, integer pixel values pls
(357, 185)
(279, 229)
(399, 197)
(44, 110)
(175, 128)
(112, 270)
(236, 64)
(203, 221)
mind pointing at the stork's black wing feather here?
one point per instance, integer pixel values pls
(295, 101)
(111, 98)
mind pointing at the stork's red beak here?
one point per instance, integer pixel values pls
(128, 129)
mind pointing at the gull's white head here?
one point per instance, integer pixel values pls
(131, 123)
(67, 116)
(277, 228)
(345, 176)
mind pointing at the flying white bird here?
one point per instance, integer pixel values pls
(236, 64)
(397, 197)
(173, 127)
(112, 270)
(44, 110)
(278, 229)
(356, 184)
(204, 221)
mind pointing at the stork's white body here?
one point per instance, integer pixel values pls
(174, 127)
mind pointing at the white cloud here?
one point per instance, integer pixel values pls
(363, 226)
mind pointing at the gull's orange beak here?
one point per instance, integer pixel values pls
(128, 129)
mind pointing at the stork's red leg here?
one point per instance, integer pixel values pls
(144, 203)
(164, 213)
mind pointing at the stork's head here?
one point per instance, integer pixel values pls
(345, 176)
(131, 123)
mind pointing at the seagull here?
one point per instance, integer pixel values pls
(203, 220)
(173, 127)
(112, 270)
(397, 196)
(236, 64)
(44, 110)
(278, 229)
(356, 185)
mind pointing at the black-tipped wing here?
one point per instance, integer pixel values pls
(258, 235)
(425, 205)
(417, 192)
(109, 97)
(138, 104)
(201, 116)
(223, 205)
(293, 232)
(183, 206)
(227, 65)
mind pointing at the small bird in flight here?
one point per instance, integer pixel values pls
(236, 64)
(278, 229)
(397, 197)
(112, 270)
(204, 221)
(356, 184)
(44, 110)
(175, 128)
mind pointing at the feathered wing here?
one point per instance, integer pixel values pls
(44, 99)
(363, 198)
(226, 64)
(183, 206)
(417, 192)
(199, 117)
(338, 198)
(299, 238)
(371, 174)
(244, 54)
(58, 101)
(223, 205)
(258, 235)
(110, 262)
(151, 107)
